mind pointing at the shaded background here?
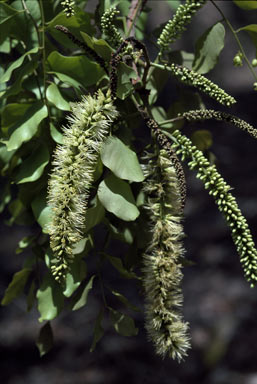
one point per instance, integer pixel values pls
(220, 306)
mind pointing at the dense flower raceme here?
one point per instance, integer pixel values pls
(192, 78)
(207, 114)
(72, 175)
(227, 205)
(162, 259)
(68, 6)
(177, 25)
(109, 29)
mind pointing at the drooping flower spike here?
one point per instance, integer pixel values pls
(207, 114)
(162, 259)
(73, 173)
(177, 25)
(194, 79)
(109, 29)
(68, 7)
(225, 201)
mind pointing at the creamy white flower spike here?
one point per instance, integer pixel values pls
(73, 173)
(162, 260)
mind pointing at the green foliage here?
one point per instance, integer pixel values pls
(208, 48)
(45, 339)
(73, 100)
(121, 160)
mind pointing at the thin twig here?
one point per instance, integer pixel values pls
(43, 45)
(135, 9)
(178, 118)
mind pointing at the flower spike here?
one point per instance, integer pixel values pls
(177, 25)
(192, 78)
(68, 7)
(73, 174)
(162, 264)
(207, 114)
(226, 202)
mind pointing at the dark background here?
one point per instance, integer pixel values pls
(219, 305)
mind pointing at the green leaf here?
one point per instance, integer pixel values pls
(6, 13)
(202, 139)
(5, 197)
(84, 245)
(33, 167)
(117, 264)
(18, 212)
(24, 243)
(81, 21)
(5, 156)
(50, 298)
(45, 339)
(27, 127)
(160, 115)
(208, 48)
(125, 301)
(116, 196)
(56, 135)
(41, 211)
(20, 26)
(81, 299)
(252, 31)
(8, 17)
(124, 86)
(23, 72)
(16, 64)
(16, 286)
(121, 160)
(12, 113)
(98, 330)
(174, 4)
(5, 47)
(123, 234)
(80, 68)
(55, 97)
(101, 47)
(66, 79)
(77, 273)
(31, 297)
(123, 324)
(156, 84)
(94, 216)
(247, 5)
(249, 28)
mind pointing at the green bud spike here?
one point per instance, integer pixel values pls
(227, 204)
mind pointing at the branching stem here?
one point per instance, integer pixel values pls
(236, 38)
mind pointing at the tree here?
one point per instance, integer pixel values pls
(115, 168)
